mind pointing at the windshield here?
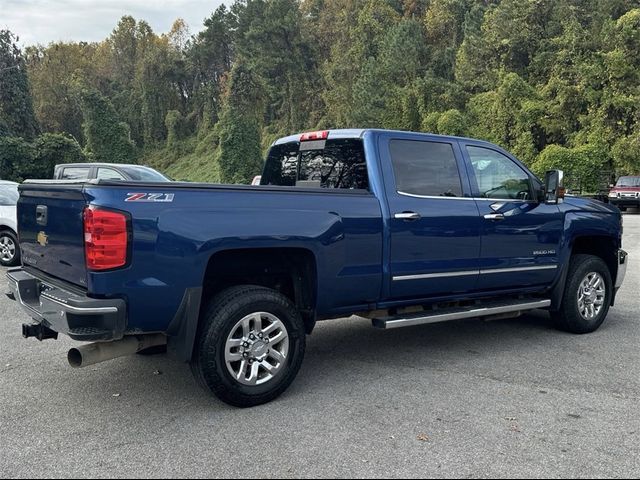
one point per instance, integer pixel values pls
(144, 174)
(628, 182)
(337, 164)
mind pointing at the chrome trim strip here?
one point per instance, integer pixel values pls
(390, 322)
(517, 269)
(466, 273)
(436, 275)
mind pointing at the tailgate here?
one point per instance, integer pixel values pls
(51, 231)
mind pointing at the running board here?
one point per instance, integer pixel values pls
(459, 313)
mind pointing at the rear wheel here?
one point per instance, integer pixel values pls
(250, 346)
(587, 295)
(9, 249)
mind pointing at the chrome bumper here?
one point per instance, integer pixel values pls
(623, 260)
(60, 310)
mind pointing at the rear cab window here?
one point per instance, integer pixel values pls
(332, 164)
(75, 173)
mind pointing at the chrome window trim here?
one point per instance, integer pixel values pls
(433, 197)
(473, 272)
(479, 199)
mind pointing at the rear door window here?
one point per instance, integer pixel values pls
(75, 173)
(336, 164)
(425, 168)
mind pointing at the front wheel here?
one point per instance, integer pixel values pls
(250, 345)
(587, 295)
(9, 249)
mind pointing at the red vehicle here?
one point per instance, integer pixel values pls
(626, 193)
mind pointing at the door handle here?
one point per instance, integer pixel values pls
(494, 216)
(407, 216)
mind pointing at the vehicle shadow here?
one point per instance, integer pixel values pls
(335, 351)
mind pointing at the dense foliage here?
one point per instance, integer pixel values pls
(557, 82)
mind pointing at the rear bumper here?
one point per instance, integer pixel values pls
(623, 260)
(63, 311)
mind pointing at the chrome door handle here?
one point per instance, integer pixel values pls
(407, 216)
(494, 216)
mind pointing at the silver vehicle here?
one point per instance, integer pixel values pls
(9, 250)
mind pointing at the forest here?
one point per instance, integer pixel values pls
(556, 82)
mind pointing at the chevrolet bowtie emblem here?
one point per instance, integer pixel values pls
(43, 239)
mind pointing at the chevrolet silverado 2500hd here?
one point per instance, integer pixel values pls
(404, 228)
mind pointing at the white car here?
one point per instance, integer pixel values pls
(9, 249)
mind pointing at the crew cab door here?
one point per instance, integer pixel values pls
(520, 234)
(433, 223)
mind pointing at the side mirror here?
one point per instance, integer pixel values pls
(554, 186)
(256, 180)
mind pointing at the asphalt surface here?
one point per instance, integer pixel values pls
(511, 398)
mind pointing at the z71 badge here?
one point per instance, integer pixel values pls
(150, 197)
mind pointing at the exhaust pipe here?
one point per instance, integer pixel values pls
(93, 353)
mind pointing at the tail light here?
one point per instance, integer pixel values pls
(106, 238)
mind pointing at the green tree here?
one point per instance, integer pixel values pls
(108, 138)
(16, 106)
(16, 158)
(239, 156)
(52, 149)
(52, 73)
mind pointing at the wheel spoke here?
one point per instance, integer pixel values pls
(234, 343)
(278, 338)
(233, 357)
(276, 355)
(253, 376)
(271, 328)
(246, 327)
(242, 372)
(271, 369)
(257, 322)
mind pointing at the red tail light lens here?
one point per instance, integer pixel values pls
(106, 239)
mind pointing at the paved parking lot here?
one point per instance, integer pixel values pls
(511, 398)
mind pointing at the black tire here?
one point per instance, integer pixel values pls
(569, 318)
(15, 259)
(219, 318)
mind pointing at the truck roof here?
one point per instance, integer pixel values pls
(359, 132)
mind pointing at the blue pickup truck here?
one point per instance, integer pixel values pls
(403, 228)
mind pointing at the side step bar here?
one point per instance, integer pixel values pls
(446, 315)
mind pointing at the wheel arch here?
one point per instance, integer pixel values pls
(289, 270)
